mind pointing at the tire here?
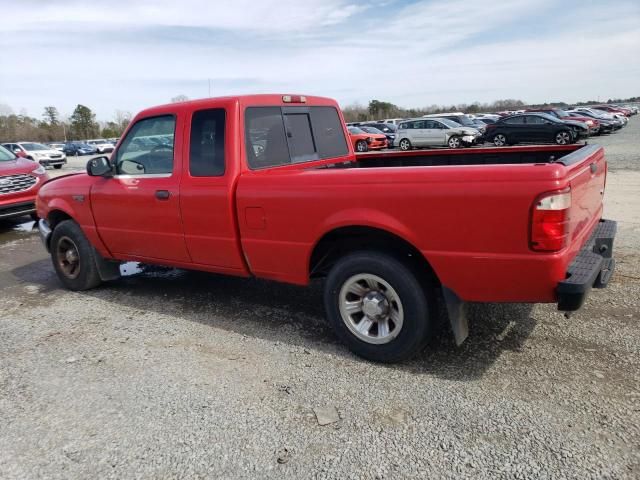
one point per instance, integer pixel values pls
(405, 145)
(57, 167)
(391, 289)
(500, 140)
(454, 142)
(564, 137)
(361, 146)
(70, 247)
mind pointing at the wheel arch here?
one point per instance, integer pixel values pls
(342, 240)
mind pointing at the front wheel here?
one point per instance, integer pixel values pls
(361, 146)
(73, 257)
(454, 142)
(499, 140)
(377, 306)
(405, 144)
(563, 138)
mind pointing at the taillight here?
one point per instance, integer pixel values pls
(550, 221)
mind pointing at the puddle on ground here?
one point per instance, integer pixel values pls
(10, 230)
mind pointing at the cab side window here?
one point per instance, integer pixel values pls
(148, 147)
(206, 145)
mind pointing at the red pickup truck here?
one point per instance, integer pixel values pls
(269, 186)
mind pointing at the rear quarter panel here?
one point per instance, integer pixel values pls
(470, 222)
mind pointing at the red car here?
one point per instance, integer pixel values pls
(592, 123)
(363, 141)
(268, 186)
(20, 180)
(620, 110)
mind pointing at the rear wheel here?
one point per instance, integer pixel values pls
(73, 257)
(361, 146)
(499, 140)
(405, 144)
(455, 142)
(377, 306)
(564, 137)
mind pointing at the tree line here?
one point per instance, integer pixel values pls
(81, 125)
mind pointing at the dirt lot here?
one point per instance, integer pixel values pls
(173, 374)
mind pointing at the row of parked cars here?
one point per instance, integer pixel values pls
(55, 154)
(457, 129)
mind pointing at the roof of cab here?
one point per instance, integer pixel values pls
(258, 99)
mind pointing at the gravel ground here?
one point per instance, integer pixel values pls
(172, 374)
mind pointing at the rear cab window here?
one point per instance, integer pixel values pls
(276, 136)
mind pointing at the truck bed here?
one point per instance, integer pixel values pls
(476, 156)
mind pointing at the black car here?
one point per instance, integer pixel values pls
(530, 127)
(387, 129)
(78, 148)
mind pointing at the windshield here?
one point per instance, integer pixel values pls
(6, 155)
(561, 113)
(34, 146)
(355, 130)
(371, 130)
(449, 123)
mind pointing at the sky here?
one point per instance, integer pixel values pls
(131, 54)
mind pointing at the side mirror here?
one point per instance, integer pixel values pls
(99, 167)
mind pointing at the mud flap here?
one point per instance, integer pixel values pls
(457, 312)
(107, 269)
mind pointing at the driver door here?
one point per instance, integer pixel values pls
(137, 211)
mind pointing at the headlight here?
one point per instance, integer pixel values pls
(39, 171)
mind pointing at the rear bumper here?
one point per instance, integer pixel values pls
(592, 268)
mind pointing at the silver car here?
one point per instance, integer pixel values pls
(434, 132)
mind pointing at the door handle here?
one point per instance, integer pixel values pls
(163, 194)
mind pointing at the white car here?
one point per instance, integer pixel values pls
(101, 145)
(43, 154)
(434, 132)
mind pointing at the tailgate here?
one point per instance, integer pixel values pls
(587, 174)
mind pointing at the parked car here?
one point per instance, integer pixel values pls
(387, 129)
(101, 146)
(487, 120)
(619, 120)
(79, 149)
(43, 154)
(606, 125)
(391, 232)
(593, 125)
(57, 146)
(363, 141)
(434, 132)
(532, 127)
(20, 180)
(615, 110)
